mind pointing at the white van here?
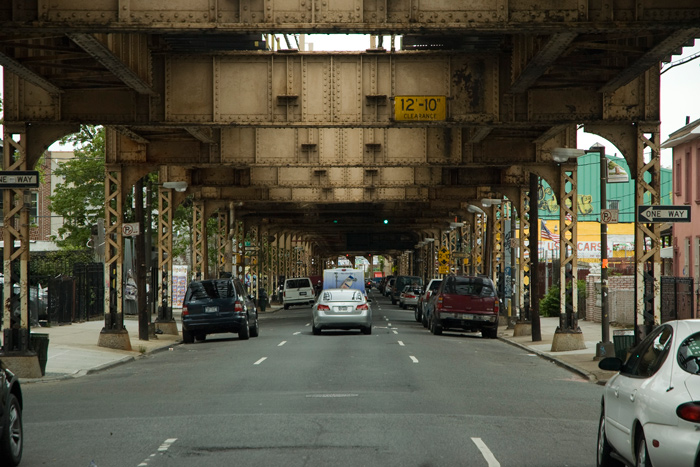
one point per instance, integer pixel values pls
(298, 291)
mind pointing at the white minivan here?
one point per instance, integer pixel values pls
(298, 291)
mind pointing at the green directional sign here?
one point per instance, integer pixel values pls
(19, 179)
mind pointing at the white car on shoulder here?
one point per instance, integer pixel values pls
(650, 411)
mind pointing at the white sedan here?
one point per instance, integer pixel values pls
(650, 413)
(342, 309)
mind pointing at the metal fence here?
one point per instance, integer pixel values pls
(677, 298)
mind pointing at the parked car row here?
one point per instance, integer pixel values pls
(457, 302)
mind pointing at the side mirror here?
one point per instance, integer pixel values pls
(610, 364)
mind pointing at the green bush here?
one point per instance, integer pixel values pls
(549, 304)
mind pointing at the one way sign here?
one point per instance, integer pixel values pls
(663, 214)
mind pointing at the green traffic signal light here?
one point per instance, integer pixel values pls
(386, 221)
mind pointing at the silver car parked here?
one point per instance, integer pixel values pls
(342, 309)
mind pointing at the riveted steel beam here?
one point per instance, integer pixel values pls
(541, 61)
(13, 66)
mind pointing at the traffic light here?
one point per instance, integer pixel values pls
(386, 221)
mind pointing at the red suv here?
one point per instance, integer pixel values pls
(468, 303)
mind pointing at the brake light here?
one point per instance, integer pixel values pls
(323, 307)
(690, 411)
(185, 311)
(496, 307)
(238, 307)
(439, 301)
(362, 307)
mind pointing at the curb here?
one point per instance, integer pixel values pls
(586, 374)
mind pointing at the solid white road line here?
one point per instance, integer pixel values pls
(415, 360)
(162, 448)
(486, 452)
(260, 361)
(281, 343)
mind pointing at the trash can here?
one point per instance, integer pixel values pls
(623, 340)
(40, 344)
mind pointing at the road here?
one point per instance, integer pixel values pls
(398, 397)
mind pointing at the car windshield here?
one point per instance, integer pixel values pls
(468, 286)
(211, 289)
(298, 283)
(689, 354)
(342, 295)
(434, 285)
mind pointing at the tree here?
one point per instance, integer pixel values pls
(79, 199)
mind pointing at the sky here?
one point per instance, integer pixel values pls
(679, 89)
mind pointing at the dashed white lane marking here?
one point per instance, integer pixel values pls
(162, 448)
(486, 452)
(260, 361)
(415, 360)
(308, 324)
(402, 344)
(296, 333)
(281, 343)
(395, 331)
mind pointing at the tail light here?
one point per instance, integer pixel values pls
(362, 307)
(238, 307)
(439, 301)
(496, 307)
(322, 307)
(185, 311)
(690, 411)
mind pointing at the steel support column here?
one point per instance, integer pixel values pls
(647, 250)
(199, 241)
(524, 285)
(165, 321)
(497, 243)
(221, 242)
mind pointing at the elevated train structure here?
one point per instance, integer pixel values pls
(304, 152)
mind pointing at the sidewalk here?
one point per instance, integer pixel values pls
(578, 361)
(73, 349)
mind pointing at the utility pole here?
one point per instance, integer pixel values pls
(534, 260)
(140, 260)
(604, 348)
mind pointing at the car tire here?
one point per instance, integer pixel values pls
(424, 320)
(200, 337)
(417, 315)
(244, 331)
(187, 337)
(367, 330)
(286, 307)
(12, 440)
(489, 333)
(642, 459)
(435, 327)
(315, 330)
(255, 329)
(393, 302)
(604, 455)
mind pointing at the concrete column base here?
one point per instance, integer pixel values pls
(522, 329)
(22, 365)
(564, 341)
(168, 327)
(115, 340)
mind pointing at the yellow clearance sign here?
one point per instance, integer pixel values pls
(420, 108)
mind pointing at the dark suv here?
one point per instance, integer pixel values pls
(400, 283)
(469, 303)
(218, 305)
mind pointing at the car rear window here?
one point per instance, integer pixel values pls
(298, 283)
(211, 289)
(434, 285)
(342, 295)
(689, 354)
(467, 286)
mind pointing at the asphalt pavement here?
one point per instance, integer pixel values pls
(73, 349)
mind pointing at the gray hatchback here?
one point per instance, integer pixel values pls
(215, 306)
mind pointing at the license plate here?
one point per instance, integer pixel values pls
(211, 309)
(341, 308)
(302, 293)
(463, 316)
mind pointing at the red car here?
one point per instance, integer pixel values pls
(467, 303)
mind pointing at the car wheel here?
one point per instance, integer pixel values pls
(642, 452)
(187, 337)
(424, 320)
(244, 331)
(286, 307)
(255, 329)
(393, 302)
(489, 333)
(604, 457)
(367, 330)
(11, 443)
(417, 315)
(315, 330)
(200, 337)
(435, 327)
